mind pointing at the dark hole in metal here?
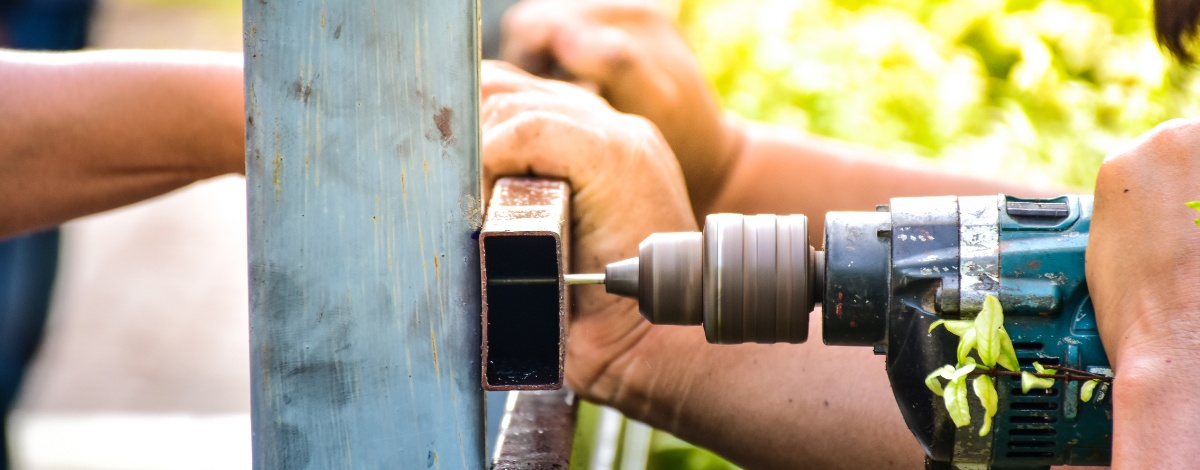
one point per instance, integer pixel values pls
(1045, 361)
(1033, 346)
(1030, 406)
(1032, 419)
(1033, 432)
(522, 317)
(1030, 455)
(1016, 391)
(1017, 444)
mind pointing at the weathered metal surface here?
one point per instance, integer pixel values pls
(363, 186)
(979, 242)
(522, 253)
(537, 431)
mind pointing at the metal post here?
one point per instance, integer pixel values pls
(363, 169)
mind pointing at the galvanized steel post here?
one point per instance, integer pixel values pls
(363, 171)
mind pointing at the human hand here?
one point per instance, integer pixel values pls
(1143, 271)
(625, 182)
(632, 54)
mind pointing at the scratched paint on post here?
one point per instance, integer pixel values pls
(363, 188)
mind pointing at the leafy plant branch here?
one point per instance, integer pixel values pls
(986, 338)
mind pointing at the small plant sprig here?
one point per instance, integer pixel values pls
(1195, 205)
(986, 337)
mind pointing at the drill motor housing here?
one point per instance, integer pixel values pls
(883, 279)
(890, 274)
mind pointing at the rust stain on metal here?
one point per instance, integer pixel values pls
(523, 251)
(442, 121)
(437, 368)
(538, 431)
(277, 166)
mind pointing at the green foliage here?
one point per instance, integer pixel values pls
(1030, 382)
(986, 337)
(1040, 88)
(1195, 205)
(1085, 392)
(669, 452)
(985, 390)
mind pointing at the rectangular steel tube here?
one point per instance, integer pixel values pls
(363, 182)
(522, 256)
(537, 431)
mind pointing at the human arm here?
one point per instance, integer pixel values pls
(635, 57)
(780, 406)
(89, 131)
(1143, 270)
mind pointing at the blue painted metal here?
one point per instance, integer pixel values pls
(363, 186)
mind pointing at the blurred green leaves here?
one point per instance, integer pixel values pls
(1040, 88)
(1035, 90)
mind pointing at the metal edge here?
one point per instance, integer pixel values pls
(522, 207)
(537, 432)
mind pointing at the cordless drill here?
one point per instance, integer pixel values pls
(883, 278)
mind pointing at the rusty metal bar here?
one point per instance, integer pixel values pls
(537, 431)
(522, 251)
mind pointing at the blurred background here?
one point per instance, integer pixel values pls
(144, 364)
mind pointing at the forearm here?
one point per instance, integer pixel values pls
(86, 132)
(1155, 414)
(785, 172)
(767, 406)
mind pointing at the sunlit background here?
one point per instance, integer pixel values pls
(1032, 91)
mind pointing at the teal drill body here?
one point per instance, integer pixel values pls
(883, 278)
(944, 255)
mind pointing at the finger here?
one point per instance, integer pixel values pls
(526, 32)
(611, 58)
(541, 143)
(500, 77)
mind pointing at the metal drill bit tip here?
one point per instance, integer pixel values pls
(581, 279)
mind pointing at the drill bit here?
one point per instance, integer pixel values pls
(582, 279)
(568, 279)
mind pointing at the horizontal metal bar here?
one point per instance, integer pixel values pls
(522, 256)
(524, 281)
(537, 431)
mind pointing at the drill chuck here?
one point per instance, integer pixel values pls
(747, 279)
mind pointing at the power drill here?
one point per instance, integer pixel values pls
(883, 278)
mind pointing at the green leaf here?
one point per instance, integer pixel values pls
(1042, 370)
(1008, 355)
(965, 345)
(956, 401)
(958, 327)
(986, 391)
(1085, 392)
(987, 330)
(1194, 205)
(1030, 382)
(962, 371)
(932, 381)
